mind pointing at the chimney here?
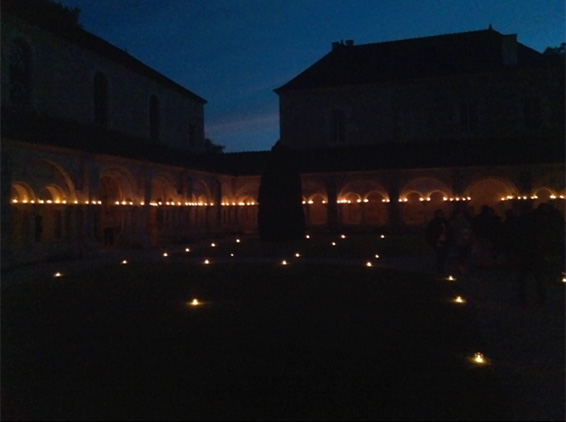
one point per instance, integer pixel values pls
(509, 49)
(349, 43)
(336, 45)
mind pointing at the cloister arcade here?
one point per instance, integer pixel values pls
(56, 204)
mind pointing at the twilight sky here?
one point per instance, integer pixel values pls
(234, 53)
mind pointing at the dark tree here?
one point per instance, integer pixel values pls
(556, 51)
(556, 54)
(280, 210)
(47, 14)
(212, 148)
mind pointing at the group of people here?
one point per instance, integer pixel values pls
(531, 243)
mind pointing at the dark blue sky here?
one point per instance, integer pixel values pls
(234, 53)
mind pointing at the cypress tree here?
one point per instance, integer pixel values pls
(280, 210)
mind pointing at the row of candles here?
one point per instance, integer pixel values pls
(252, 203)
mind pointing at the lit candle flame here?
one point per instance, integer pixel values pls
(450, 278)
(283, 262)
(478, 358)
(298, 255)
(368, 264)
(206, 261)
(165, 254)
(57, 274)
(376, 255)
(459, 299)
(195, 302)
(382, 236)
(187, 249)
(124, 262)
(237, 240)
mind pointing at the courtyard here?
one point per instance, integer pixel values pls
(333, 327)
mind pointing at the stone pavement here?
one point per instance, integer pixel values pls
(526, 346)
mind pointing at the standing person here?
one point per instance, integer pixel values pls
(437, 237)
(460, 236)
(486, 227)
(539, 252)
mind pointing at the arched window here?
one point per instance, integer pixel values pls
(20, 74)
(154, 118)
(100, 99)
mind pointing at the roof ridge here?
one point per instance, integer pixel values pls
(430, 37)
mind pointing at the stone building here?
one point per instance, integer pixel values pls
(402, 128)
(92, 135)
(92, 138)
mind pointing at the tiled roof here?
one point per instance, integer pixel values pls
(436, 56)
(98, 45)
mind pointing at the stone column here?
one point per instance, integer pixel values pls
(143, 238)
(217, 194)
(332, 208)
(6, 187)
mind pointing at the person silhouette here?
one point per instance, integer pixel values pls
(437, 237)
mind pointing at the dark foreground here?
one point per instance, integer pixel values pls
(301, 342)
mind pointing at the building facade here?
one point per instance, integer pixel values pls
(93, 139)
(406, 127)
(458, 88)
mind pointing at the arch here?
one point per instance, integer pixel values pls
(376, 196)
(544, 193)
(19, 71)
(116, 184)
(201, 192)
(424, 186)
(22, 192)
(313, 189)
(247, 194)
(52, 192)
(163, 189)
(361, 189)
(317, 198)
(350, 197)
(490, 191)
(41, 172)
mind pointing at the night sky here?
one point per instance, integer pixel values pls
(234, 53)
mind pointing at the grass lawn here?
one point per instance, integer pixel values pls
(316, 341)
